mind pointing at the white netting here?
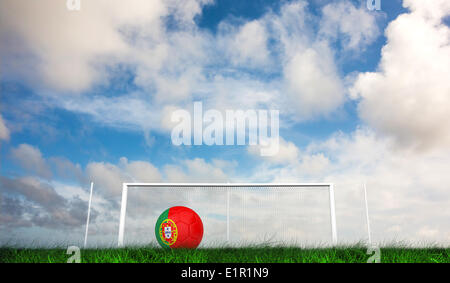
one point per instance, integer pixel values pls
(295, 215)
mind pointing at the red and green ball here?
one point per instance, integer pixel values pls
(179, 227)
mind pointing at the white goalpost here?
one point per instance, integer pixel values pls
(230, 190)
(88, 215)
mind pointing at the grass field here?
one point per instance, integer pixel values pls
(228, 255)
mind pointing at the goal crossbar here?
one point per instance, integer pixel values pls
(126, 186)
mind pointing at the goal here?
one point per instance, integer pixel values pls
(240, 213)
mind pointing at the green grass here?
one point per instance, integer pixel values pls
(228, 255)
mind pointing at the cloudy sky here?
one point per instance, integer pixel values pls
(87, 95)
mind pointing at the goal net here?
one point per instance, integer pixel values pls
(234, 214)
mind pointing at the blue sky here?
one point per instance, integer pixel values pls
(89, 99)
(74, 136)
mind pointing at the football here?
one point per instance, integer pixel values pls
(179, 227)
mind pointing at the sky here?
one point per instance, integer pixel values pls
(87, 96)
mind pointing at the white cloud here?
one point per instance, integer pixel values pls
(246, 44)
(166, 117)
(65, 169)
(288, 153)
(195, 170)
(4, 131)
(30, 158)
(408, 98)
(314, 164)
(129, 111)
(431, 10)
(355, 27)
(171, 66)
(243, 92)
(107, 177)
(313, 84)
(187, 10)
(141, 171)
(291, 27)
(178, 87)
(62, 48)
(29, 201)
(64, 45)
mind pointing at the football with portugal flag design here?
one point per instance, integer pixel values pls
(179, 227)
